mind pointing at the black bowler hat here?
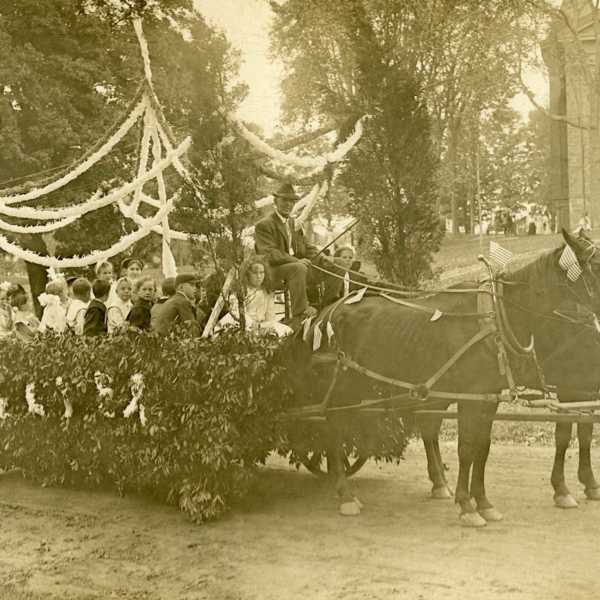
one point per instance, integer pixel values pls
(286, 190)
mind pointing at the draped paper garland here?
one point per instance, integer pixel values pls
(90, 259)
(97, 201)
(156, 135)
(44, 228)
(84, 166)
(318, 163)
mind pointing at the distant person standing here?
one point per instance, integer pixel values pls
(584, 225)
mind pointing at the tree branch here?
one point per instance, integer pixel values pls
(545, 111)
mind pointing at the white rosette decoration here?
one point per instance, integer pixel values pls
(105, 392)
(62, 388)
(3, 409)
(137, 390)
(33, 407)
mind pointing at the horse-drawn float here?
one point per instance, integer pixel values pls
(530, 337)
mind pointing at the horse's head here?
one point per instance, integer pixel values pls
(579, 262)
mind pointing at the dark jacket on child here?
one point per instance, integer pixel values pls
(140, 315)
(94, 322)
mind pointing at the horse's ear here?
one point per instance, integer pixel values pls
(584, 235)
(570, 240)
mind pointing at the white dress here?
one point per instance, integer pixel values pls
(116, 313)
(259, 312)
(54, 316)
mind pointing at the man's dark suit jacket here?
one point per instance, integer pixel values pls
(271, 241)
(94, 322)
(176, 310)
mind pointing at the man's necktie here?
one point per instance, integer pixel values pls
(288, 230)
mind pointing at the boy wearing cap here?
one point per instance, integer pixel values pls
(288, 253)
(179, 308)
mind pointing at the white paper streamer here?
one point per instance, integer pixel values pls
(89, 259)
(137, 25)
(84, 166)
(330, 332)
(356, 297)
(318, 163)
(317, 336)
(30, 229)
(306, 329)
(97, 201)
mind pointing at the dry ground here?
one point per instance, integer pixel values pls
(289, 542)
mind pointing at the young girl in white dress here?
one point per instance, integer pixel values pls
(259, 301)
(54, 301)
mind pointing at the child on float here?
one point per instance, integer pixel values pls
(6, 323)
(132, 269)
(167, 289)
(140, 315)
(94, 322)
(105, 272)
(81, 293)
(55, 301)
(118, 308)
(259, 301)
(25, 323)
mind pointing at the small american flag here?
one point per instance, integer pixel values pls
(499, 255)
(569, 263)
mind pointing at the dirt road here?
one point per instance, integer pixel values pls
(290, 543)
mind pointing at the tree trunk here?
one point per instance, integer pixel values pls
(452, 142)
(37, 275)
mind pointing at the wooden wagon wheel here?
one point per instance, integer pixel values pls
(317, 464)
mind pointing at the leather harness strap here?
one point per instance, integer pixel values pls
(494, 323)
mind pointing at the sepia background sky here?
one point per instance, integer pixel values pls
(246, 24)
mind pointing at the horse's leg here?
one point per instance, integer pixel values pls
(349, 505)
(562, 438)
(467, 440)
(482, 451)
(430, 428)
(584, 472)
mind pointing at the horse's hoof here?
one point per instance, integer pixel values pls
(565, 501)
(592, 493)
(349, 509)
(472, 519)
(358, 503)
(441, 493)
(491, 514)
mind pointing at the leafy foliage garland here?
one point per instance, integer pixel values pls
(184, 420)
(210, 410)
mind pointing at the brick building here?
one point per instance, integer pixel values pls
(569, 53)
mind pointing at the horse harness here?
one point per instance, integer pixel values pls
(495, 330)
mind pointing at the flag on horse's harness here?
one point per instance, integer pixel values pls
(317, 336)
(569, 263)
(501, 256)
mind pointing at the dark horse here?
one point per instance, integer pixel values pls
(379, 341)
